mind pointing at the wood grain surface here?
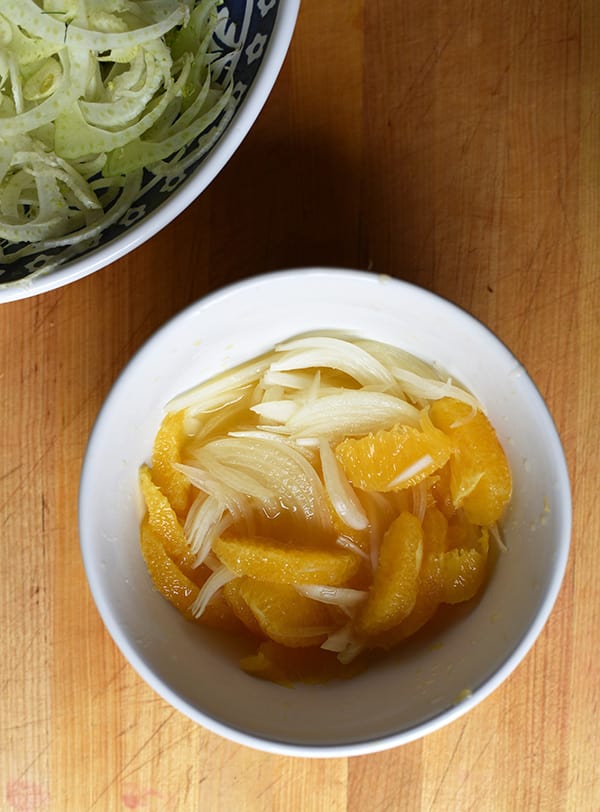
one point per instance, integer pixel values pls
(454, 144)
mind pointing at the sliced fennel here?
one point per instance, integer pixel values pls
(92, 94)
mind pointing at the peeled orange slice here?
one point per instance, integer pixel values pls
(464, 571)
(480, 479)
(270, 560)
(440, 490)
(393, 593)
(429, 585)
(162, 519)
(168, 444)
(395, 459)
(166, 576)
(280, 612)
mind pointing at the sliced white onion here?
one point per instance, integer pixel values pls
(287, 380)
(274, 473)
(219, 391)
(279, 411)
(206, 519)
(336, 353)
(344, 598)
(353, 413)
(339, 639)
(422, 389)
(419, 499)
(380, 513)
(496, 534)
(221, 576)
(348, 544)
(410, 471)
(344, 643)
(343, 498)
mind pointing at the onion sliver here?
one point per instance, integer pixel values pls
(346, 599)
(336, 353)
(343, 498)
(210, 587)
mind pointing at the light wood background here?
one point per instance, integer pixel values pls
(455, 144)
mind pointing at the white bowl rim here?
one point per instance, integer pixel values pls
(240, 126)
(370, 745)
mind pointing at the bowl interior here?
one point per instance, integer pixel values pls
(415, 689)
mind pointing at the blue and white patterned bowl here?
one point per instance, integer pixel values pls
(254, 36)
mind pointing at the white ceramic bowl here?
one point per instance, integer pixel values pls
(259, 32)
(407, 695)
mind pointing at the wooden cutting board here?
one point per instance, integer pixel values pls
(454, 144)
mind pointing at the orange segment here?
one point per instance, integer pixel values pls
(461, 533)
(281, 613)
(233, 595)
(166, 576)
(167, 449)
(269, 560)
(395, 459)
(164, 522)
(395, 581)
(480, 479)
(464, 571)
(440, 490)
(429, 582)
(435, 532)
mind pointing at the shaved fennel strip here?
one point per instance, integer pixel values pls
(339, 639)
(206, 520)
(288, 380)
(343, 498)
(412, 470)
(211, 586)
(27, 15)
(496, 534)
(348, 544)
(74, 67)
(308, 352)
(216, 392)
(285, 474)
(229, 476)
(417, 387)
(344, 643)
(380, 513)
(354, 413)
(278, 411)
(419, 499)
(348, 600)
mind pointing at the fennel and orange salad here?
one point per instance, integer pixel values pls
(92, 93)
(324, 499)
